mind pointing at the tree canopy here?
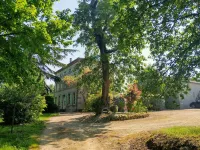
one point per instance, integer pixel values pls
(31, 38)
(106, 42)
(172, 29)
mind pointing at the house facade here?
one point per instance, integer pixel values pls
(68, 98)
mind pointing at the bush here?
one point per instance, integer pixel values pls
(154, 103)
(24, 112)
(94, 103)
(162, 141)
(114, 108)
(120, 102)
(139, 107)
(24, 102)
(128, 116)
(51, 106)
(172, 104)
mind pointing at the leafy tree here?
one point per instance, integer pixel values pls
(31, 37)
(107, 44)
(172, 30)
(156, 87)
(21, 103)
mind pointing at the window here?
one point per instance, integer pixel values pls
(59, 101)
(59, 86)
(56, 101)
(74, 98)
(63, 100)
(68, 98)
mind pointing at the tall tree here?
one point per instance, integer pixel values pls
(172, 30)
(94, 19)
(31, 37)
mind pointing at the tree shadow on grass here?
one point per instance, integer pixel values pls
(74, 129)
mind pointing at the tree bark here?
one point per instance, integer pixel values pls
(106, 81)
(13, 119)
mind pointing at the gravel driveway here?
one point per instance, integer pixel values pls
(66, 132)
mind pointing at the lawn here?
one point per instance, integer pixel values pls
(182, 131)
(178, 137)
(24, 137)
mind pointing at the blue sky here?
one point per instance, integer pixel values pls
(71, 4)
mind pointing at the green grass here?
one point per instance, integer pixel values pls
(182, 131)
(24, 137)
(46, 116)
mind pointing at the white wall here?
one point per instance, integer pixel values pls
(191, 96)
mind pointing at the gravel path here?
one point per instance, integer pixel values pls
(66, 132)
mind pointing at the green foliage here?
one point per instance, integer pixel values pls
(182, 131)
(172, 104)
(31, 36)
(120, 102)
(163, 141)
(154, 104)
(156, 88)
(51, 106)
(23, 112)
(114, 108)
(139, 107)
(127, 116)
(109, 53)
(28, 137)
(171, 28)
(94, 103)
(21, 103)
(155, 85)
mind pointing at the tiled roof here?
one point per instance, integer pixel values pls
(70, 64)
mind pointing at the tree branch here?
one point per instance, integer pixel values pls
(110, 51)
(9, 34)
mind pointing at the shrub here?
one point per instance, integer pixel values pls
(94, 103)
(128, 116)
(51, 106)
(20, 103)
(172, 104)
(24, 111)
(162, 141)
(120, 102)
(139, 107)
(114, 108)
(133, 95)
(153, 103)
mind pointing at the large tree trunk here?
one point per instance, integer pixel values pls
(106, 81)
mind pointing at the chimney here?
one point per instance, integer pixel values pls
(70, 60)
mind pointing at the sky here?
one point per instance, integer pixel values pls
(71, 4)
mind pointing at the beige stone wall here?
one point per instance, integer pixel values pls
(68, 98)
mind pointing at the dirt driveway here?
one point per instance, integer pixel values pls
(66, 132)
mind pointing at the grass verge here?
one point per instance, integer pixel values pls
(182, 131)
(24, 136)
(176, 138)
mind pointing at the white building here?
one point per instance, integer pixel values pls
(192, 96)
(68, 98)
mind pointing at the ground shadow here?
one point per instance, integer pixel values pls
(74, 129)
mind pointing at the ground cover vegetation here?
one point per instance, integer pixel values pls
(23, 137)
(178, 137)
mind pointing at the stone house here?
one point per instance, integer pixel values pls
(68, 98)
